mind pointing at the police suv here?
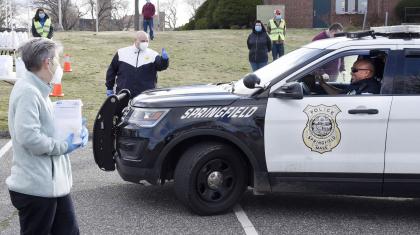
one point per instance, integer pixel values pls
(277, 130)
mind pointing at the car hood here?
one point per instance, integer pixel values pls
(186, 96)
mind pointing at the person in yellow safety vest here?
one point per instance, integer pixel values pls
(41, 25)
(276, 29)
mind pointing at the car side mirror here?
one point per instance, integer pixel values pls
(291, 90)
(251, 80)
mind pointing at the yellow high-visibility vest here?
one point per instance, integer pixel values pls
(43, 31)
(277, 32)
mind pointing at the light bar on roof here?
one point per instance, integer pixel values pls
(397, 29)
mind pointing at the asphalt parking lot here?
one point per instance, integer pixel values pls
(105, 204)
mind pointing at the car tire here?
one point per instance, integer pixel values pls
(210, 178)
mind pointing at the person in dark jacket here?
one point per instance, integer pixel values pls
(135, 67)
(41, 25)
(334, 67)
(148, 12)
(259, 45)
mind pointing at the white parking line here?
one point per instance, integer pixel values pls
(5, 148)
(245, 222)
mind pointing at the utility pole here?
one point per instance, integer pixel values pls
(158, 14)
(29, 16)
(97, 15)
(60, 22)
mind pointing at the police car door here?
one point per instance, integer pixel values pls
(326, 143)
(402, 165)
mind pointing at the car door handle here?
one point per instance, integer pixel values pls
(363, 111)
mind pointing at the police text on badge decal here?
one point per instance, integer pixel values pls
(220, 112)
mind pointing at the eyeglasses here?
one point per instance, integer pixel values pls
(355, 70)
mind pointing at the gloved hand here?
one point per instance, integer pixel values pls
(85, 136)
(164, 54)
(70, 146)
(109, 92)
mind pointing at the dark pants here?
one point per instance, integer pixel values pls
(256, 66)
(148, 23)
(42, 215)
(277, 50)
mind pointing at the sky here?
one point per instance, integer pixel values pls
(183, 10)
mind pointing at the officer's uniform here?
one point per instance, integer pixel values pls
(135, 70)
(365, 86)
(277, 35)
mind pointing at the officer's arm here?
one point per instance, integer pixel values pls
(284, 28)
(112, 73)
(51, 33)
(34, 32)
(331, 90)
(160, 63)
(268, 28)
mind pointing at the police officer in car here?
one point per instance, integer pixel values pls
(362, 80)
(135, 67)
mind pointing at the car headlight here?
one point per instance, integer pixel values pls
(146, 117)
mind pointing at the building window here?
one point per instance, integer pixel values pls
(351, 6)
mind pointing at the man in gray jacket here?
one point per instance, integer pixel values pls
(40, 179)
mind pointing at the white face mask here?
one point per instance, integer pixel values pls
(58, 74)
(143, 46)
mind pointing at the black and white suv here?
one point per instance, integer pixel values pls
(277, 129)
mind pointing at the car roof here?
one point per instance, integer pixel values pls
(341, 42)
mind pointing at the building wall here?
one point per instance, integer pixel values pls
(299, 13)
(375, 17)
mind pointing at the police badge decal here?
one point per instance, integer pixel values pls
(321, 133)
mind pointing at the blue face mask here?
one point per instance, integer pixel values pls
(278, 17)
(42, 15)
(258, 28)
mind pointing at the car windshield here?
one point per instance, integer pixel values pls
(278, 67)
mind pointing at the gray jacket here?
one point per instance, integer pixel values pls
(39, 166)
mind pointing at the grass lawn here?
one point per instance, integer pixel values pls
(202, 56)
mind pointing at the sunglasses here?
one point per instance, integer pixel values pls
(355, 70)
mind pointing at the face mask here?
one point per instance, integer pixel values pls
(278, 17)
(258, 28)
(143, 46)
(42, 15)
(58, 74)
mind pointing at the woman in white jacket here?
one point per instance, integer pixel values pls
(40, 179)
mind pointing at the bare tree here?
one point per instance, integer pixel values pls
(2, 13)
(91, 7)
(120, 11)
(194, 4)
(169, 6)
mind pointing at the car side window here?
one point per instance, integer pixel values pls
(337, 72)
(407, 82)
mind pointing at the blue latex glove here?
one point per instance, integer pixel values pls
(70, 146)
(164, 54)
(109, 92)
(85, 136)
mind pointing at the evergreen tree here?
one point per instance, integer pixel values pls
(214, 14)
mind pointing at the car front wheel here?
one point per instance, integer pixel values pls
(210, 178)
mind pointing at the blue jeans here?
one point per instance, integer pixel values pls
(256, 66)
(149, 23)
(277, 50)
